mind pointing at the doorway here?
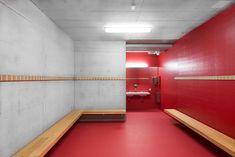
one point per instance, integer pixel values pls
(143, 81)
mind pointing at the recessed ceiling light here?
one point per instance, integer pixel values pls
(221, 4)
(133, 6)
(133, 28)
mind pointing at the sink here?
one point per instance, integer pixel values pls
(137, 93)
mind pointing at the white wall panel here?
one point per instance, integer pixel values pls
(100, 58)
(31, 44)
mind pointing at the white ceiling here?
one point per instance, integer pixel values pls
(85, 19)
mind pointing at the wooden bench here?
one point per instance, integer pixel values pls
(43, 143)
(219, 139)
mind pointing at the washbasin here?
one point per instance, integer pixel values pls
(137, 93)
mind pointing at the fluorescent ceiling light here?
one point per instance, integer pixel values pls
(136, 65)
(221, 4)
(128, 28)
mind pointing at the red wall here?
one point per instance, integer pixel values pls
(151, 60)
(135, 103)
(207, 50)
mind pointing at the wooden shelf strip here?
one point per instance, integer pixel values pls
(98, 78)
(20, 78)
(216, 78)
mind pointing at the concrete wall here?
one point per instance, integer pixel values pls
(100, 58)
(30, 44)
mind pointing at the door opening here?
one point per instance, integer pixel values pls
(143, 81)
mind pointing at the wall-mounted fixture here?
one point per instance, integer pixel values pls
(156, 80)
(128, 28)
(133, 5)
(142, 94)
(154, 52)
(158, 97)
(136, 86)
(136, 65)
(157, 53)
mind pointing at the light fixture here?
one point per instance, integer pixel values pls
(171, 66)
(148, 47)
(133, 6)
(157, 53)
(128, 28)
(221, 4)
(136, 65)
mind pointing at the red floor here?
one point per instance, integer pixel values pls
(144, 134)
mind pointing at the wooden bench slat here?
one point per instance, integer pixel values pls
(219, 139)
(43, 143)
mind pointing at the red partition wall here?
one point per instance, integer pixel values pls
(136, 103)
(207, 50)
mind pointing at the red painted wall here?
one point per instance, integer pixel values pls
(151, 60)
(207, 50)
(135, 103)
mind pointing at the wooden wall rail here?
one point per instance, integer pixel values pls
(106, 78)
(215, 78)
(20, 78)
(98, 78)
